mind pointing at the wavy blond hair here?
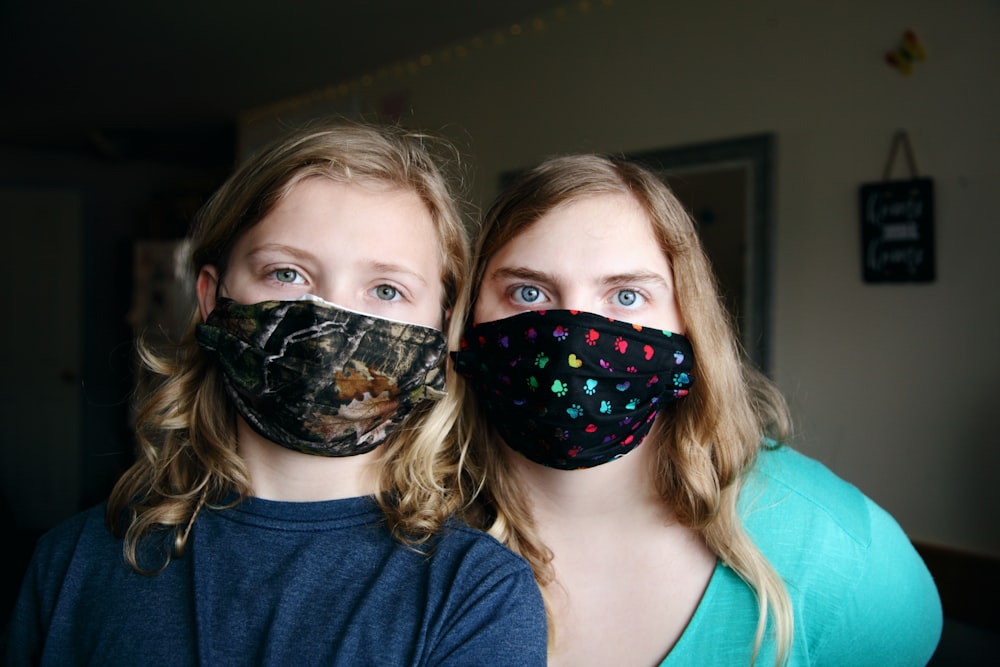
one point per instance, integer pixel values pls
(186, 436)
(705, 443)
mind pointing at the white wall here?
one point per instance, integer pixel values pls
(893, 386)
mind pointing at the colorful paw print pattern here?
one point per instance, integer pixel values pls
(570, 389)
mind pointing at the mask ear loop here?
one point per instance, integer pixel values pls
(180, 543)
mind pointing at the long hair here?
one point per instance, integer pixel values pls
(705, 443)
(185, 425)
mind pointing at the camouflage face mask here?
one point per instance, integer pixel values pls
(319, 379)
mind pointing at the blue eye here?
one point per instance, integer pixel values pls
(386, 292)
(287, 276)
(627, 297)
(529, 294)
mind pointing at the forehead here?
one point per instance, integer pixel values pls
(589, 241)
(615, 219)
(365, 198)
(349, 216)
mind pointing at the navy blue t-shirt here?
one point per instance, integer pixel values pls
(276, 583)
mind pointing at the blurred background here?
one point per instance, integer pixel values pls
(118, 119)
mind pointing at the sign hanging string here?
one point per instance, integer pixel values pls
(900, 138)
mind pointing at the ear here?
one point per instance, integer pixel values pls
(207, 286)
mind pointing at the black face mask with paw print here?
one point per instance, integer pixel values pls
(569, 389)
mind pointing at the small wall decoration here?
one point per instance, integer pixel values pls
(897, 224)
(909, 51)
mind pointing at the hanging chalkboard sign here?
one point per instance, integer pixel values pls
(897, 225)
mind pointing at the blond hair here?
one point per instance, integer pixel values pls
(185, 425)
(704, 445)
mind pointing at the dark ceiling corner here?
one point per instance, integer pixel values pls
(127, 80)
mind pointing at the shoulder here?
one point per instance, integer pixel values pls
(461, 543)
(787, 484)
(855, 580)
(788, 496)
(85, 530)
(76, 545)
(477, 563)
(73, 548)
(491, 594)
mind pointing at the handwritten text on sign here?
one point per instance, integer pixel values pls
(897, 231)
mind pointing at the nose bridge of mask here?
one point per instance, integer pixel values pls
(320, 300)
(329, 304)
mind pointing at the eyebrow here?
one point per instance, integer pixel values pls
(520, 273)
(636, 277)
(386, 267)
(524, 273)
(281, 248)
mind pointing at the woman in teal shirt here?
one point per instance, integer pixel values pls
(593, 325)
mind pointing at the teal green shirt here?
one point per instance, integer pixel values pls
(860, 593)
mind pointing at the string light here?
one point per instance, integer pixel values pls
(412, 66)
